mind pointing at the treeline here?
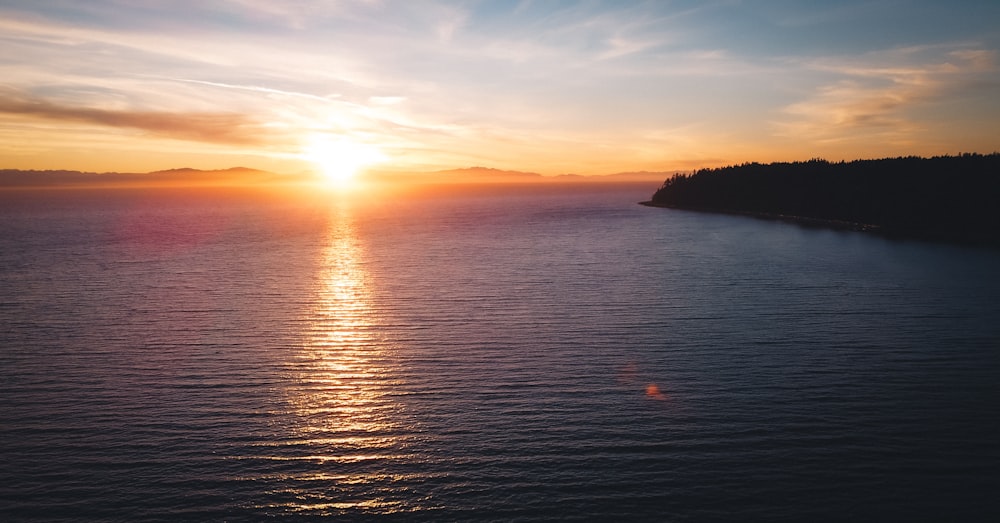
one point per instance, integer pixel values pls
(945, 197)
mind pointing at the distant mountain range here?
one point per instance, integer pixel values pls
(491, 175)
(182, 177)
(236, 176)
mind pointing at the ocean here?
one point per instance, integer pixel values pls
(485, 353)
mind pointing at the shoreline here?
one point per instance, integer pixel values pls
(842, 225)
(807, 221)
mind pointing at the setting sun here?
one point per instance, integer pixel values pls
(338, 161)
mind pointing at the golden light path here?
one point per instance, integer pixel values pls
(348, 425)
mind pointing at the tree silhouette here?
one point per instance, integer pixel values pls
(945, 197)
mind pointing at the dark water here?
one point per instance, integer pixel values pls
(480, 356)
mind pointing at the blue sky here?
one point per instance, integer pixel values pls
(545, 86)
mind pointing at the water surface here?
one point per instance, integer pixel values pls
(485, 355)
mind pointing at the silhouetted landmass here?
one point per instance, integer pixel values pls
(952, 198)
(489, 175)
(630, 176)
(242, 176)
(184, 177)
(482, 175)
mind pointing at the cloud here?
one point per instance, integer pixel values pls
(849, 104)
(878, 94)
(450, 24)
(621, 46)
(386, 100)
(225, 128)
(256, 89)
(976, 59)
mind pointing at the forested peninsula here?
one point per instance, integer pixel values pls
(945, 198)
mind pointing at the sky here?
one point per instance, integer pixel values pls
(546, 86)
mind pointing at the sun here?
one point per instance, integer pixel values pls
(339, 160)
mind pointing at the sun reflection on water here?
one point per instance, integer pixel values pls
(347, 430)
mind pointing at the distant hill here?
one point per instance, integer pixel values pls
(483, 174)
(634, 176)
(490, 175)
(951, 198)
(15, 178)
(187, 176)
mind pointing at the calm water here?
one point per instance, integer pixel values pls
(479, 356)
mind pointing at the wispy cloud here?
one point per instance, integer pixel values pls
(255, 89)
(620, 46)
(224, 128)
(878, 94)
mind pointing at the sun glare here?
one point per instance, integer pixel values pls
(340, 160)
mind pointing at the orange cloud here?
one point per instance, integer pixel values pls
(876, 99)
(227, 128)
